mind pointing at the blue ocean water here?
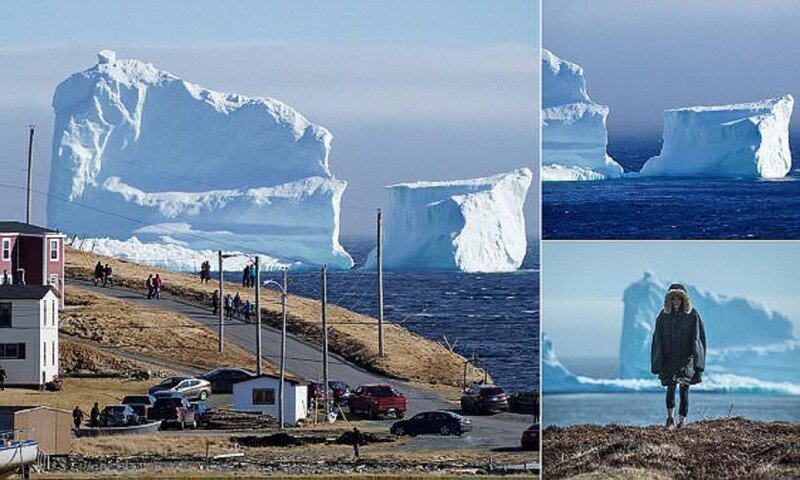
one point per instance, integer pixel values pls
(494, 316)
(649, 408)
(674, 208)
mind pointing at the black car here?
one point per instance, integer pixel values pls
(222, 379)
(484, 399)
(442, 422)
(141, 404)
(118, 416)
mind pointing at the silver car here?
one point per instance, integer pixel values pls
(192, 388)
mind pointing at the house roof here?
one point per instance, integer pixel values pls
(25, 229)
(292, 380)
(25, 292)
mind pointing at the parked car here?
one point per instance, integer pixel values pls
(118, 416)
(192, 388)
(530, 438)
(174, 410)
(341, 391)
(338, 391)
(141, 404)
(222, 379)
(441, 422)
(200, 411)
(374, 400)
(484, 399)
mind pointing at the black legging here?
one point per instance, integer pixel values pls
(683, 410)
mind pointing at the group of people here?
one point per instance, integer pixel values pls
(233, 306)
(154, 286)
(249, 275)
(103, 274)
(205, 272)
(94, 416)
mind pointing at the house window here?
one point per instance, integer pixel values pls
(53, 310)
(5, 315)
(53, 250)
(263, 396)
(6, 249)
(46, 312)
(53, 352)
(12, 351)
(44, 353)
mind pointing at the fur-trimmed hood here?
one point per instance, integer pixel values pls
(677, 290)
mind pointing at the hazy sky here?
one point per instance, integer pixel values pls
(644, 56)
(410, 90)
(583, 283)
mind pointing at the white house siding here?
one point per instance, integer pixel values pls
(295, 398)
(31, 327)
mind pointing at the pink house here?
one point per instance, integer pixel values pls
(32, 255)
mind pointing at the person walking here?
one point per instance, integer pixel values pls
(536, 413)
(77, 417)
(237, 305)
(228, 306)
(99, 271)
(151, 287)
(108, 275)
(252, 273)
(3, 377)
(678, 351)
(94, 416)
(6, 278)
(358, 440)
(247, 309)
(246, 276)
(215, 301)
(157, 283)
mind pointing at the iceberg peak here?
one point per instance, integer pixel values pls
(250, 174)
(574, 135)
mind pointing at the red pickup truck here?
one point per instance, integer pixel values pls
(374, 400)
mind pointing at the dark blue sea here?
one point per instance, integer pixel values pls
(674, 208)
(493, 316)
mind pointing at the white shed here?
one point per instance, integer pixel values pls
(29, 334)
(261, 394)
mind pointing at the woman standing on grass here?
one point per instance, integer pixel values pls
(678, 352)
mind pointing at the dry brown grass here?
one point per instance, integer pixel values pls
(76, 357)
(147, 331)
(75, 391)
(351, 335)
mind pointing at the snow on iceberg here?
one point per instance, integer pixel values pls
(745, 338)
(574, 135)
(214, 170)
(472, 225)
(556, 378)
(744, 140)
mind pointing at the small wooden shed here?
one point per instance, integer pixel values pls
(50, 427)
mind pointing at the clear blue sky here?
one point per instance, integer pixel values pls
(411, 90)
(643, 56)
(583, 282)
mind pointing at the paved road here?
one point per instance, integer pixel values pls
(304, 360)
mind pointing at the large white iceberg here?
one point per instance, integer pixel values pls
(744, 140)
(574, 135)
(473, 225)
(744, 337)
(211, 170)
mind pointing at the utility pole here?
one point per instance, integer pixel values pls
(258, 317)
(283, 344)
(30, 176)
(380, 283)
(325, 339)
(222, 306)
